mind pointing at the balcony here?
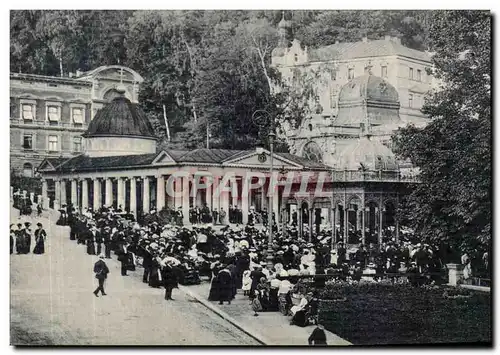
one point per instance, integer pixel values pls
(46, 124)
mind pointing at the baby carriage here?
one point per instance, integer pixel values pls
(189, 275)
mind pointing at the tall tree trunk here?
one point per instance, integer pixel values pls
(166, 122)
(61, 66)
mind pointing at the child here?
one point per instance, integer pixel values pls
(247, 283)
(256, 306)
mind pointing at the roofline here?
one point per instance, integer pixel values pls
(85, 135)
(46, 78)
(136, 75)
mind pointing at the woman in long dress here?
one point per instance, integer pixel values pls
(40, 236)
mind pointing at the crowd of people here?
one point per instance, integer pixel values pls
(235, 258)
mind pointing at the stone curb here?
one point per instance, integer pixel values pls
(226, 316)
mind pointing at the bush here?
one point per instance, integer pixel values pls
(25, 183)
(377, 313)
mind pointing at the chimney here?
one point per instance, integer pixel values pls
(337, 41)
(78, 73)
(70, 74)
(387, 38)
(365, 39)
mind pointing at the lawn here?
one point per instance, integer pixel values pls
(371, 314)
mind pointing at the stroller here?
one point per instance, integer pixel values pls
(188, 274)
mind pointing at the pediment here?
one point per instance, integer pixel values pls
(163, 158)
(261, 159)
(45, 165)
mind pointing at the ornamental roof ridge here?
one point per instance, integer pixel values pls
(52, 79)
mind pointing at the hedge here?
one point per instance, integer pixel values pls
(378, 313)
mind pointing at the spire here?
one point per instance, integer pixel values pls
(284, 28)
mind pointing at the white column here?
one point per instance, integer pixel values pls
(109, 193)
(224, 203)
(97, 193)
(208, 193)
(234, 192)
(160, 192)
(244, 200)
(74, 193)
(363, 227)
(85, 194)
(213, 195)
(178, 196)
(12, 193)
(57, 190)
(45, 196)
(380, 224)
(185, 200)
(145, 194)
(120, 191)
(133, 196)
(63, 192)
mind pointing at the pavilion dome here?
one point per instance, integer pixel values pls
(367, 153)
(120, 118)
(368, 87)
(120, 128)
(368, 96)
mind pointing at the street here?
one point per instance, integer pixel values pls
(52, 303)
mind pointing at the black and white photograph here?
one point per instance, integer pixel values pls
(250, 178)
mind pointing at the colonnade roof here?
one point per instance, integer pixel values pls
(215, 157)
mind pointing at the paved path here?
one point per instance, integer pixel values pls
(52, 303)
(274, 327)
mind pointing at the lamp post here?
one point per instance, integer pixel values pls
(261, 117)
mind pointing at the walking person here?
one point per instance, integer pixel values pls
(40, 236)
(101, 274)
(170, 279)
(27, 238)
(318, 336)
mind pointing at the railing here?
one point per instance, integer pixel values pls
(44, 123)
(385, 176)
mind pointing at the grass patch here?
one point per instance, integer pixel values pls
(371, 314)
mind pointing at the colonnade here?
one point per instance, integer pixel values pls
(146, 192)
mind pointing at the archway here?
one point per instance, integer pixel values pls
(354, 220)
(372, 222)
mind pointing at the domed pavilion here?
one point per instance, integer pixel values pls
(367, 177)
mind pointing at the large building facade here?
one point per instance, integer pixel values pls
(49, 114)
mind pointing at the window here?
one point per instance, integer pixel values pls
(419, 75)
(28, 141)
(384, 71)
(77, 144)
(410, 100)
(53, 143)
(77, 114)
(296, 57)
(310, 127)
(28, 111)
(350, 74)
(411, 74)
(333, 75)
(28, 170)
(53, 113)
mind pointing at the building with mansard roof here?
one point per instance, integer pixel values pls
(49, 114)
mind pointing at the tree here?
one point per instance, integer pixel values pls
(453, 201)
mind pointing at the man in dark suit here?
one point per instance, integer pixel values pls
(101, 274)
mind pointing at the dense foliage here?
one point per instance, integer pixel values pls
(453, 152)
(377, 313)
(201, 68)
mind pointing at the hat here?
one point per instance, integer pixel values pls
(39, 224)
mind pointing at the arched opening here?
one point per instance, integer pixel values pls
(354, 221)
(28, 170)
(371, 223)
(313, 152)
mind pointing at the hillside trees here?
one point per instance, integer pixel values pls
(453, 152)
